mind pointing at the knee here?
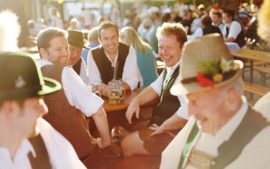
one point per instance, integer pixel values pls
(127, 146)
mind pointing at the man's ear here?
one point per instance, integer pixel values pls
(8, 109)
(43, 54)
(233, 99)
(99, 41)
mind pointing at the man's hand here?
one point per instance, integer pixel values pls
(100, 87)
(134, 107)
(103, 89)
(159, 130)
(100, 143)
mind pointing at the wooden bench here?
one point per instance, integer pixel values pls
(255, 89)
(263, 71)
(255, 63)
(138, 162)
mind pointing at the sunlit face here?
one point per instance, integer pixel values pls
(25, 119)
(169, 49)
(215, 19)
(58, 52)
(75, 54)
(226, 18)
(209, 109)
(109, 39)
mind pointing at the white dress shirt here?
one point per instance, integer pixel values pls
(198, 33)
(130, 75)
(156, 85)
(255, 154)
(60, 151)
(220, 26)
(76, 91)
(83, 72)
(263, 106)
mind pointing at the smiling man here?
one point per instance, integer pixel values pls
(169, 115)
(223, 130)
(69, 106)
(76, 43)
(112, 60)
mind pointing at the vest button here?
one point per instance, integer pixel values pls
(213, 163)
(187, 155)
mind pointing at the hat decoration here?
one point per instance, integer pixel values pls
(215, 71)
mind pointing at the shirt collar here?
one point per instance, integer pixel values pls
(42, 63)
(113, 63)
(174, 67)
(227, 130)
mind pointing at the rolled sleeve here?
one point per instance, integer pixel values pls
(130, 73)
(78, 94)
(235, 30)
(182, 111)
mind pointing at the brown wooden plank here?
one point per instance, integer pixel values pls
(251, 54)
(138, 162)
(265, 70)
(256, 63)
(255, 89)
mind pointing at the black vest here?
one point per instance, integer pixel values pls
(104, 65)
(252, 123)
(240, 39)
(77, 66)
(168, 104)
(210, 29)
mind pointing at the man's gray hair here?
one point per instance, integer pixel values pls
(10, 30)
(93, 34)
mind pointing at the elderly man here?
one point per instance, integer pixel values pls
(232, 31)
(76, 43)
(93, 42)
(112, 60)
(27, 141)
(69, 106)
(223, 130)
(169, 115)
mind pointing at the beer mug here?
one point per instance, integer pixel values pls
(122, 91)
(113, 92)
(93, 89)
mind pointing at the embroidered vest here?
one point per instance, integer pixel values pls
(168, 104)
(42, 160)
(252, 123)
(65, 118)
(77, 66)
(104, 65)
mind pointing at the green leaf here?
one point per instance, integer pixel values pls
(208, 67)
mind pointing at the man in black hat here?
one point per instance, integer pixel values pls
(27, 140)
(69, 106)
(76, 43)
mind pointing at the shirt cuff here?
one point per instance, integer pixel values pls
(93, 105)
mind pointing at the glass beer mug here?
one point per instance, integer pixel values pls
(93, 89)
(114, 92)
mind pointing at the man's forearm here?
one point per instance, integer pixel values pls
(229, 40)
(147, 95)
(173, 123)
(126, 86)
(101, 122)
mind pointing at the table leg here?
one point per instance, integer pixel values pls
(251, 76)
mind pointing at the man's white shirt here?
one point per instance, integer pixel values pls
(131, 73)
(156, 85)
(76, 91)
(83, 72)
(235, 29)
(198, 33)
(60, 151)
(255, 154)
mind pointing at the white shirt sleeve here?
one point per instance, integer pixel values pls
(130, 73)
(60, 151)
(198, 33)
(157, 84)
(169, 157)
(182, 111)
(78, 94)
(83, 72)
(93, 72)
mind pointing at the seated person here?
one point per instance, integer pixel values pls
(223, 131)
(206, 28)
(186, 22)
(232, 31)
(144, 54)
(93, 42)
(217, 20)
(76, 43)
(69, 106)
(169, 115)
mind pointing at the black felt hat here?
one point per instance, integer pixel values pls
(20, 78)
(75, 38)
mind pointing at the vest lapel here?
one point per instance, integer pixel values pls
(77, 66)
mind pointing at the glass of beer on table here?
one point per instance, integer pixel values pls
(93, 89)
(115, 92)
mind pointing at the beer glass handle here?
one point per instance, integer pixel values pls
(124, 94)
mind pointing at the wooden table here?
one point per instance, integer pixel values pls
(29, 49)
(125, 102)
(252, 55)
